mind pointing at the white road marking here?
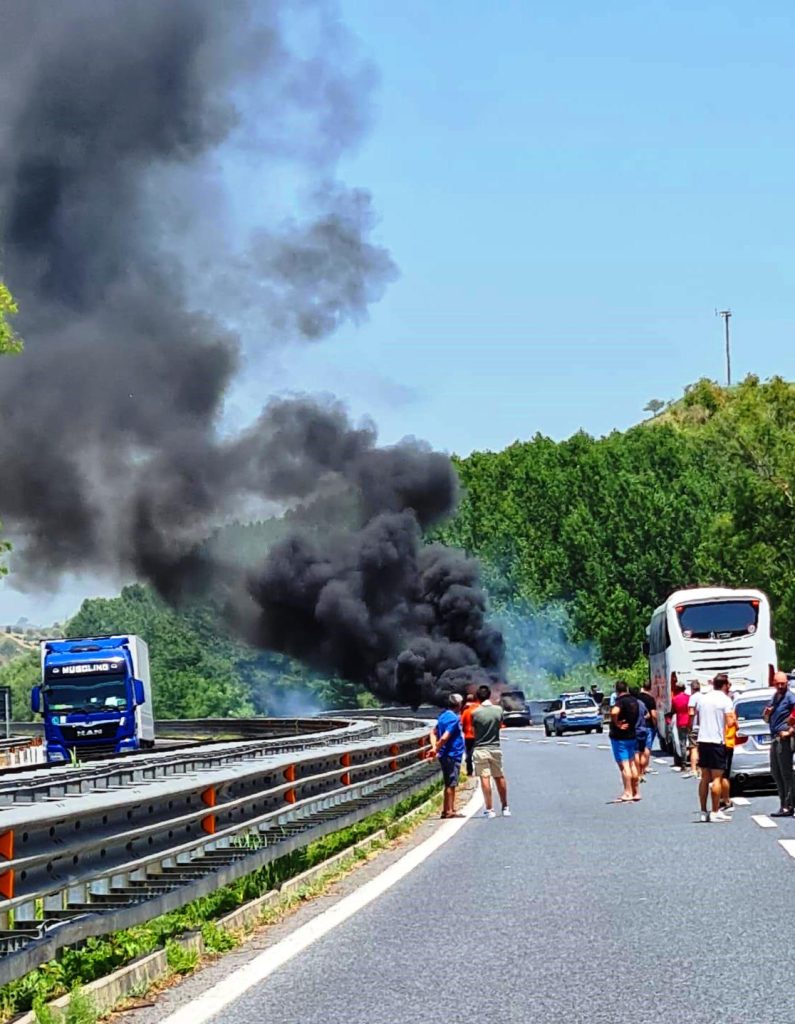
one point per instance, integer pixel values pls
(740, 801)
(212, 1002)
(602, 746)
(763, 821)
(660, 760)
(789, 846)
(586, 745)
(563, 743)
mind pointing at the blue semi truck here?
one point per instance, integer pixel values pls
(95, 696)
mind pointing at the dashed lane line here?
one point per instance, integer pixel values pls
(602, 746)
(789, 846)
(740, 801)
(763, 821)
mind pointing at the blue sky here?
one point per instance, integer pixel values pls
(569, 189)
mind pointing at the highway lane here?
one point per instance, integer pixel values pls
(572, 910)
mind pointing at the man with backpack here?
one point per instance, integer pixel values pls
(623, 724)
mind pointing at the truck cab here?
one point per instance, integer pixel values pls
(94, 696)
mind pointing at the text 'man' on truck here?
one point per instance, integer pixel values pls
(95, 696)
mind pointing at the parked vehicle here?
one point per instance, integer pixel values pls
(699, 632)
(751, 760)
(515, 708)
(95, 696)
(575, 712)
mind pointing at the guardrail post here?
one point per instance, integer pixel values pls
(7, 853)
(289, 774)
(77, 894)
(55, 901)
(208, 799)
(25, 914)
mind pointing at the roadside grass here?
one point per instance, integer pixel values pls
(97, 957)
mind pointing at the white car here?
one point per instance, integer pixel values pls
(751, 761)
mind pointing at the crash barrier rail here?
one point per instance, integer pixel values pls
(92, 862)
(55, 780)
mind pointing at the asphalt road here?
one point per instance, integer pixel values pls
(572, 910)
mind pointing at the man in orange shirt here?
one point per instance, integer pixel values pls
(471, 703)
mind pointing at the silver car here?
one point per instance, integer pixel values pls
(751, 762)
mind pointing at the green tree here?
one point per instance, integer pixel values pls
(9, 340)
(9, 343)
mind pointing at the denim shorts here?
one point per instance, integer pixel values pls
(451, 768)
(624, 750)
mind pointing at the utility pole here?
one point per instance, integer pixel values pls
(726, 314)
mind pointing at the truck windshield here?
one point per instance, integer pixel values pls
(716, 620)
(88, 693)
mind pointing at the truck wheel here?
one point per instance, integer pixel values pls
(547, 730)
(600, 728)
(558, 732)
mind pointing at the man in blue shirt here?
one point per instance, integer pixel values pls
(447, 743)
(776, 715)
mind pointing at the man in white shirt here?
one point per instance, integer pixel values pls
(715, 711)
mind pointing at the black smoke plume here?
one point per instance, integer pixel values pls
(118, 240)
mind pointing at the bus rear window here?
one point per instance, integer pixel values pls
(716, 620)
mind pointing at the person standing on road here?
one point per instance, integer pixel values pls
(647, 697)
(470, 704)
(641, 733)
(722, 681)
(679, 709)
(487, 755)
(647, 700)
(692, 729)
(623, 720)
(776, 714)
(447, 744)
(715, 712)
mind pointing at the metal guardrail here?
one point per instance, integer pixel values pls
(128, 846)
(54, 780)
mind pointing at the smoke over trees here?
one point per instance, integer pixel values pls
(116, 122)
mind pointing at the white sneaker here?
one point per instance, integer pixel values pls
(720, 816)
(506, 812)
(675, 768)
(687, 775)
(704, 816)
(489, 814)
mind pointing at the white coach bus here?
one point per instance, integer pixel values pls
(699, 632)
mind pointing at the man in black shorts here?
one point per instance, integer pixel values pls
(715, 712)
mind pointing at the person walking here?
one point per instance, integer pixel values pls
(623, 722)
(467, 727)
(447, 745)
(679, 709)
(714, 713)
(777, 714)
(641, 733)
(487, 753)
(651, 719)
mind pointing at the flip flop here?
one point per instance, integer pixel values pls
(456, 815)
(636, 798)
